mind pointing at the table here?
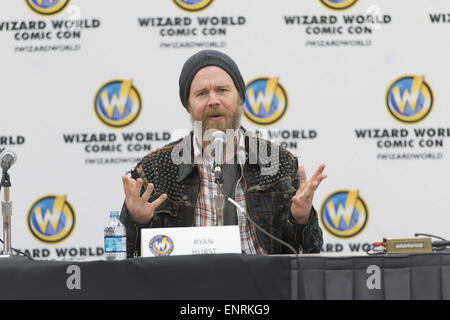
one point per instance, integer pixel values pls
(231, 277)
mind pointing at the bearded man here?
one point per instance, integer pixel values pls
(166, 192)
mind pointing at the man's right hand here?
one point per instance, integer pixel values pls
(141, 211)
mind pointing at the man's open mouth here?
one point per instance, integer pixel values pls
(217, 117)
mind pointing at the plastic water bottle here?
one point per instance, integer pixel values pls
(115, 238)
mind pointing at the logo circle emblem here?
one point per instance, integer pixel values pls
(266, 101)
(51, 219)
(344, 214)
(193, 5)
(338, 4)
(118, 103)
(409, 99)
(47, 7)
(161, 245)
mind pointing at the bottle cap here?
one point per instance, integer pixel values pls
(114, 214)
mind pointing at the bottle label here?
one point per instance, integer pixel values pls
(115, 244)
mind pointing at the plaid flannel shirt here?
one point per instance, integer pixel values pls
(205, 213)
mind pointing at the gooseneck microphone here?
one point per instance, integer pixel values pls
(218, 141)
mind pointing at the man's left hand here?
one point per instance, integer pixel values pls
(302, 200)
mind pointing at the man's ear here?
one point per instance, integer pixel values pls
(188, 107)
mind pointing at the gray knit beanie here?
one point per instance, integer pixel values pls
(208, 58)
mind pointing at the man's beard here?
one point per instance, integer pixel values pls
(230, 120)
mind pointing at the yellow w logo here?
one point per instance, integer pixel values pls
(408, 97)
(117, 102)
(162, 245)
(264, 99)
(51, 217)
(346, 212)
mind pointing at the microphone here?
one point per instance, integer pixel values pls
(218, 139)
(437, 245)
(440, 244)
(7, 159)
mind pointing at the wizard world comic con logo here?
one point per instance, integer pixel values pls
(47, 7)
(266, 101)
(344, 214)
(51, 219)
(409, 99)
(193, 5)
(338, 4)
(118, 103)
(161, 245)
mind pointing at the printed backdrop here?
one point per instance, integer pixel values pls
(89, 87)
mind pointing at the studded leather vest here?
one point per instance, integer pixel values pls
(268, 186)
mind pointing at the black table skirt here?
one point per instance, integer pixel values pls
(231, 277)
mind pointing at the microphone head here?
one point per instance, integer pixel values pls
(218, 136)
(7, 159)
(218, 141)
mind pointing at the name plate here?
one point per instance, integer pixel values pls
(190, 241)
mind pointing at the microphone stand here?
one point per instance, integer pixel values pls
(219, 199)
(6, 213)
(5, 183)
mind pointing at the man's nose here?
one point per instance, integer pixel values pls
(213, 99)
